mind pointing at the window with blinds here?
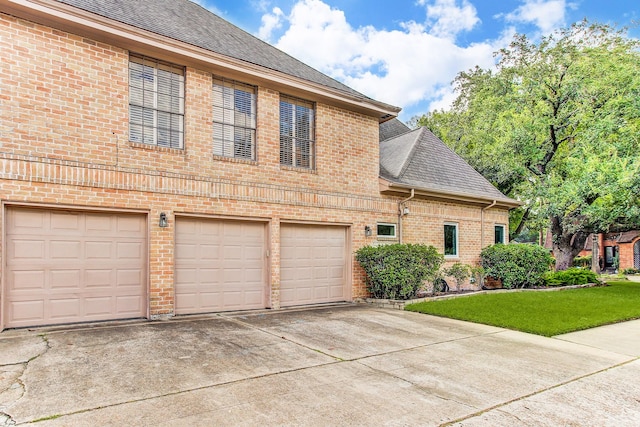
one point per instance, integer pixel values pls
(234, 119)
(297, 145)
(156, 102)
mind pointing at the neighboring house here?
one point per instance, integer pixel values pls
(159, 161)
(623, 245)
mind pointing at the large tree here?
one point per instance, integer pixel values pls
(557, 125)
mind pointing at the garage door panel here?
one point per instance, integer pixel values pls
(128, 305)
(66, 222)
(64, 309)
(77, 275)
(98, 250)
(61, 249)
(26, 311)
(25, 249)
(129, 250)
(222, 268)
(65, 279)
(98, 278)
(313, 264)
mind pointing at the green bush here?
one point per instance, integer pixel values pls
(460, 273)
(582, 261)
(397, 271)
(570, 276)
(517, 265)
(630, 271)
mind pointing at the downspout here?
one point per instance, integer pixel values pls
(400, 213)
(482, 222)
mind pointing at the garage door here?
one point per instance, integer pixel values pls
(72, 266)
(219, 265)
(313, 264)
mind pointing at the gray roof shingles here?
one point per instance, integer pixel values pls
(419, 159)
(188, 22)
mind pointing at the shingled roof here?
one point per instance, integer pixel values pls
(418, 159)
(188, 22)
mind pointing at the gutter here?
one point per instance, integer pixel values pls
(401, 213)
(482, 222)
(456, 196)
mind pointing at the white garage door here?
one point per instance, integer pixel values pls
(73, 266)
(313, 264)
(219, 265)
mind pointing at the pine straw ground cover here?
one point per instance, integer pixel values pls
(543, 313)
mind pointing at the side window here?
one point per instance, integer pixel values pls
(386, 230)
(450, 240)
(297, 145)
(234, 119)
(499, 233)
(156, 102)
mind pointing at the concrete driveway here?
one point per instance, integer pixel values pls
(339, 365)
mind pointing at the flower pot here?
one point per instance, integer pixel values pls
(492, 283)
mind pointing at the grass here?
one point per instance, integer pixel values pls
(543, 313)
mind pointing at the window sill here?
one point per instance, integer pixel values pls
(235, 160)
(149, 147)
(296, 169)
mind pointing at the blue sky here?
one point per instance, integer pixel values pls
(407, 52)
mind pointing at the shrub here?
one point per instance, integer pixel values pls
(582, 261)
(397, 271)
(570, 276)
(517, 265)
(460, 272)
(630, 271)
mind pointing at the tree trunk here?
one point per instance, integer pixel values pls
(566, 245)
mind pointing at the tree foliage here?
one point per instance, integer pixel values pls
(557, 125)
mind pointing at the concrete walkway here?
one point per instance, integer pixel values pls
(341, 365)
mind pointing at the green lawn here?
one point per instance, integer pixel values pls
(543, 313)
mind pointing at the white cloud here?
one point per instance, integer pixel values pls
(270, 22)
(547, 15)
(448, 19)
(406, 66)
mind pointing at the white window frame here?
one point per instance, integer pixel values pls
(294, 153)
(457, 239)
(230, 123)
(504, 233)
(156, 110)
(387, 224)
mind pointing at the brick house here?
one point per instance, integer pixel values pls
(623, 245)
(159, 161)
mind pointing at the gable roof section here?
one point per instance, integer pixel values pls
(189, 23)
(418, 159)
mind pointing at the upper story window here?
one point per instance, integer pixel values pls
(297, 145)
(234, 119)
(156, 102)
(450, 240)
(499, 233)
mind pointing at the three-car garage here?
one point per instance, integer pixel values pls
(73, 265)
